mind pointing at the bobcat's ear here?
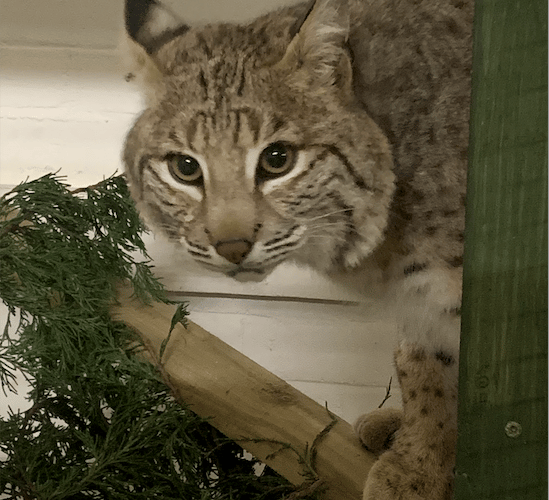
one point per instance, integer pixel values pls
(149, 25)
(318, 55)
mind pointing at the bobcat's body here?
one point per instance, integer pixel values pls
(333, 134)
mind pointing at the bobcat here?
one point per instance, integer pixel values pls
(333, 134)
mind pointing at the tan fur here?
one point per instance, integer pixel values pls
(419, 463)
(370, 98)
(141, 68)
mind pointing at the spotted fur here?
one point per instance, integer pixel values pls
(417, 445)
(332, 133)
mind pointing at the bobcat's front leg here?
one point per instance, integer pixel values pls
(420, 460)
(419, 464)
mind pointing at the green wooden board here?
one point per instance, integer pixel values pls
(502, 445)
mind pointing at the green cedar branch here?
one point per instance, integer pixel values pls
(101, 423)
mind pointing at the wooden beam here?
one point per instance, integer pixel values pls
(502, 445)
(247, 403)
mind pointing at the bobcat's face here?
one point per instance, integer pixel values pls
(248, 155)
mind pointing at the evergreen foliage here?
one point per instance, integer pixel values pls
(101, 424)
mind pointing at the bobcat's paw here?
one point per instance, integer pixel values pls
(419, 463)
(394, 477)
(376, 429)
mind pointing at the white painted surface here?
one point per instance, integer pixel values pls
(64, 105)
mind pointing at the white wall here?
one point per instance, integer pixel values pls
(64, 105)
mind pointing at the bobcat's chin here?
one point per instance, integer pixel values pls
(249, 275)
(239, 272)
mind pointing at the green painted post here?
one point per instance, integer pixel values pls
(502, 445)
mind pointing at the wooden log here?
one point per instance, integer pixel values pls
(247, 403)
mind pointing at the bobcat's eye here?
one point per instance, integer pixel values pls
(275, 160)
(184, 168)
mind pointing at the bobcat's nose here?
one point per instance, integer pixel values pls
(234, 251)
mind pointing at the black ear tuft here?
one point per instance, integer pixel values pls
(135, 14)
(151, 24)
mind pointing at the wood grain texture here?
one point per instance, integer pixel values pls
(248, 403)
(502, 449)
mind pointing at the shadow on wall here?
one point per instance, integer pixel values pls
(97, 24)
